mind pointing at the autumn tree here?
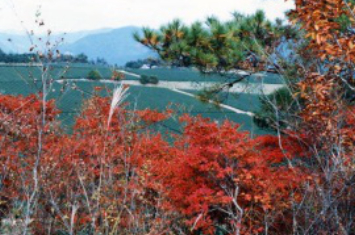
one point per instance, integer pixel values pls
(112, 175)
(222, 180)
(318, 106)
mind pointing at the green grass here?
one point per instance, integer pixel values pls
(18, 87)
(11, 73)
(152, 98)
(188, 75)
(69, 101)
(242, 101)
(176, 74)
(74, 71)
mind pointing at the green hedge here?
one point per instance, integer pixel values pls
(148, 80)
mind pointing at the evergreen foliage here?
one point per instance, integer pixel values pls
(215, 46)
(94, 75)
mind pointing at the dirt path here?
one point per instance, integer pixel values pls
(129, 73)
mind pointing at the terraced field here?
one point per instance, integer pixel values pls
(25, 80)
(187, 74)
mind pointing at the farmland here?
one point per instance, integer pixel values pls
(69, 98)
(187, 74)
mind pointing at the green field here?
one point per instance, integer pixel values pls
(57, 71)
(242, 101)
(19, 81)
(152, 98)
(188, 75)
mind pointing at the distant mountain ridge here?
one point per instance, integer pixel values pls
(116, 46)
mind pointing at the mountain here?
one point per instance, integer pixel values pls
(75, 36)
(116, 46)
(15, 42)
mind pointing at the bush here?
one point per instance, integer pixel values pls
(94, 75)
(144, 79)
(153, 80)
(149, 80)
(283, 100)
(117, 76)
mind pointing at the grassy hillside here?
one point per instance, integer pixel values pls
(242, 101)
(143, 97)
(20, 81)
(59, 71)
(187, 74)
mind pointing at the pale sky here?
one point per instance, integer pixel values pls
(76, 15)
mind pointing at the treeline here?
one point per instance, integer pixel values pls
(33, 58)
(16, 58)
(150, 62)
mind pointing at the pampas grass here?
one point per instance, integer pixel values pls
(119, 95)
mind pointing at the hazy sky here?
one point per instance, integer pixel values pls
(75, 15)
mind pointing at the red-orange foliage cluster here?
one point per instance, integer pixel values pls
(326, 123)
(321, 20)
(121, 178)
(93, 169)
(328, 26)
(216, 175)
(20, 124)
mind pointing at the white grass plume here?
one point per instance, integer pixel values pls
(119, 95)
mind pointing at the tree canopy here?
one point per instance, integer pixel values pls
(215, 46)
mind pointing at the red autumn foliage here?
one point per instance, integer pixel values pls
(216, 170)
(123, 180)
(119, 178)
